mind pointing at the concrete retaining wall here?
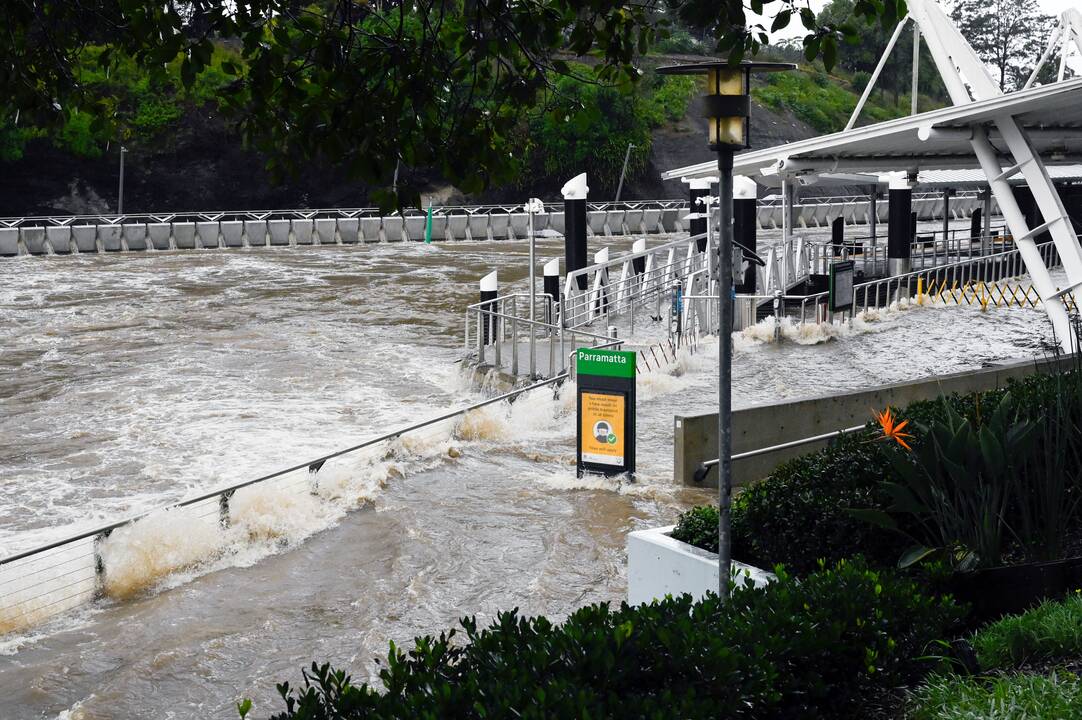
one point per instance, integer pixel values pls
(760, 426)
(256, 232)
(232, 233)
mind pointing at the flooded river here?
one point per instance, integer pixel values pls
(128, 381)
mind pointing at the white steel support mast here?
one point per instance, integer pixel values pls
(967, 79)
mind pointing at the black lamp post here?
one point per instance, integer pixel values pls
(727, 104)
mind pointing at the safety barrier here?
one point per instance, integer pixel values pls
(49, 580)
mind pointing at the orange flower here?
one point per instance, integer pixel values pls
(893, 430)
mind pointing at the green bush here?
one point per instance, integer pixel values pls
(1001, 697)
(154, 114)
(821, 646)
(802, 512)
(1050, 632)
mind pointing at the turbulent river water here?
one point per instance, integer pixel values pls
(130, 381)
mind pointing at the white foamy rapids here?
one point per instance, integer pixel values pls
(565, 479)
(174, 545)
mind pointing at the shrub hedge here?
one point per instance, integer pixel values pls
(820, 646)
(799, 514)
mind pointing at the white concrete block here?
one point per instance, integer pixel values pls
(9, 241)
(658, 565)
(184, 235)
(279, 232)
(60, 239)
(33, 239)
(302, 231)
(135, 236)
(208, 233)
(110, 238)
(160, 234)
(232, 233)
(349, 231)
(86, 238)
(325, 229)
(256, 232)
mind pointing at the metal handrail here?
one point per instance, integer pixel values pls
(312, 465)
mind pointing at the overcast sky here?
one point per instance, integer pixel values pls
(1052, 7)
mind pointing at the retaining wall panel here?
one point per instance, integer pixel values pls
(232, 233)
(279, 232)
(479, 227)
(184, 235)
(457, 225)
(256, 231)
(33, 239)
(9, 241)
(650, 220)
(499, 223)
(302, 232)
(110, 238)
(135, 236)
(159, 235)
(415, 227)
(86, 238)
(59, 239)
(520, 224)
(633, 220)
(556, 222)
(348, 230)
(596, 220)
(325, 231)
(392, 229)
(370, 229)
(208, 233)
(670, 219)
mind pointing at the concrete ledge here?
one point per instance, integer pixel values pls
(348, 231)
(759, 426)
(658, 565)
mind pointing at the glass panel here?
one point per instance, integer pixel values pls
(725, 81)
(727, 131)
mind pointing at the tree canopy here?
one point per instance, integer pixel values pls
(374, 84)
(1009, 35)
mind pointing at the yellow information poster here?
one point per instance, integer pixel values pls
(602, 428)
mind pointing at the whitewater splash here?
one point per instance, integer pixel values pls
(174, 545)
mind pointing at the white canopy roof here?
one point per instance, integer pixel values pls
(1051, 115)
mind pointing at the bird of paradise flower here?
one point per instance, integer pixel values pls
(892, 429)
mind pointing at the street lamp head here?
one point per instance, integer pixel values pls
(727, 100)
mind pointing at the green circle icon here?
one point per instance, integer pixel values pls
(612, 439)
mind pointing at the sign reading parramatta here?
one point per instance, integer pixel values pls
(606, 411)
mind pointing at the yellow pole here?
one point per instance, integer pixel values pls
(984, 300)
(920, 293)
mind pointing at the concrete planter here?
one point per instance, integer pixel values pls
(658, 565)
